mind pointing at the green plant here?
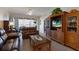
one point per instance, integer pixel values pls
(56, 11)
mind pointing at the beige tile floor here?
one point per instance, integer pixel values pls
(54, 46)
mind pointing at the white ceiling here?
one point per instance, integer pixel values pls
(37, 11)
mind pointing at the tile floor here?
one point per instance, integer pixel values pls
(54, 46)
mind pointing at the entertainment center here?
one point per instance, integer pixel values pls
(64, 28)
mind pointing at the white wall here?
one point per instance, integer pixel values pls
(41, 29)
(4, 15)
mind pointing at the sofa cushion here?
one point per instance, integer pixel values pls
(8, 45)
(4, 37)
(2, 32)
(1, 43)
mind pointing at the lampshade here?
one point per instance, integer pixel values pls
(11, 23)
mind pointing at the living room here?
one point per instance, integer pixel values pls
(38, 29)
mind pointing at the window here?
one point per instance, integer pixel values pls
(26, 23)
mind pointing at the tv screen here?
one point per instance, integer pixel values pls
(56, 22)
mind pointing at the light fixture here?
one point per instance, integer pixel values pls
(11, 23)
(29, 12)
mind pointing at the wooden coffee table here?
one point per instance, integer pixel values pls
(40, 43)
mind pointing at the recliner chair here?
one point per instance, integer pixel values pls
(3, 37)
(1, 43)
(10, 44)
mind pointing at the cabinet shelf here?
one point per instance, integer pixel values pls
(72, 24)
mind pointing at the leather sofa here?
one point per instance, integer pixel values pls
(3, 37)
(10, 44)
(29, 31)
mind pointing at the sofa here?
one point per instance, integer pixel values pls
(27, 31)
(10, 44)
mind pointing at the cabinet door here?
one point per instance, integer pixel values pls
(71, 31)
(72, 40)
(60, 36)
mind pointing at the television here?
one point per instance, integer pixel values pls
(56, 23)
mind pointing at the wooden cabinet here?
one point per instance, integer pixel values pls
(57, 27)
(68, 33)
(72, 30)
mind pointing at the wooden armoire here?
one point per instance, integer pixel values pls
(71, 31)
(68, 33)
(57, 32)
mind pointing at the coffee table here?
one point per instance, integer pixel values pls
(40, 43)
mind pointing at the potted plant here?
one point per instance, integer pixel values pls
(56, 11)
